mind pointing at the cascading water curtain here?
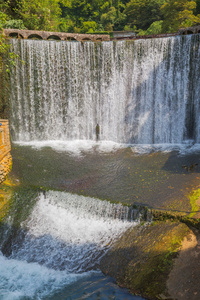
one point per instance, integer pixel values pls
(140, 92)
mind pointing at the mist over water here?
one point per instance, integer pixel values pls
(140, 92)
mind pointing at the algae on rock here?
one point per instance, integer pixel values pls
(143, 258)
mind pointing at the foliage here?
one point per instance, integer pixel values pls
(197, 10)
(155, 28)
(143, 13)
(100, 15)
(108, 18)
(89, 26)
(16, 24)
(3, 18)
(39, 15)
(178, 14)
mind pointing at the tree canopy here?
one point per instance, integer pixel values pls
(90, 16)
(178, 14)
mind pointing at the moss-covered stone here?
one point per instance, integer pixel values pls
(142, 259)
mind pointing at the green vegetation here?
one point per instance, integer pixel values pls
(91, 16)
(193, 202)
(179, 14)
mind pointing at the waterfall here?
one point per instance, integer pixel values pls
(140, 92)
(61, 241)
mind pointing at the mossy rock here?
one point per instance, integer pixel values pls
(143, 258)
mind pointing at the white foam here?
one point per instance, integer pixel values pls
(183, 149)
(20, 279)
(79, 147)
(75, 148)
(64, 236)
(75, 219)
(70, 232)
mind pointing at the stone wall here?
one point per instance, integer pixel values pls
(46, 35)
(5, 148)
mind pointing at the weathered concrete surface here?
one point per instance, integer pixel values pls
(46, 35)
(142, 37)
(5, 148)
(123, 34)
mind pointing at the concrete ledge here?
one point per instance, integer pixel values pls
(142, 37)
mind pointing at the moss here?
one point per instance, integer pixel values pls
(163, 216)
(142, 259)
(194, 196)
(150, 278)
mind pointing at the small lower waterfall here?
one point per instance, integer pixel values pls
(60, 242)
(140, 92)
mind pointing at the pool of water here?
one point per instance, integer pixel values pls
(155, 179)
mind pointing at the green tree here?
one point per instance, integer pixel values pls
(106, 14)
(82, 11)
(39, 14)
(16, 24)
(108, 19)
(197, 10)
(142, 13)
(154, 28)
(89, 27)
(178, 14)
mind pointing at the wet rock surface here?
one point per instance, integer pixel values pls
(183, 282)
(143, 258)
